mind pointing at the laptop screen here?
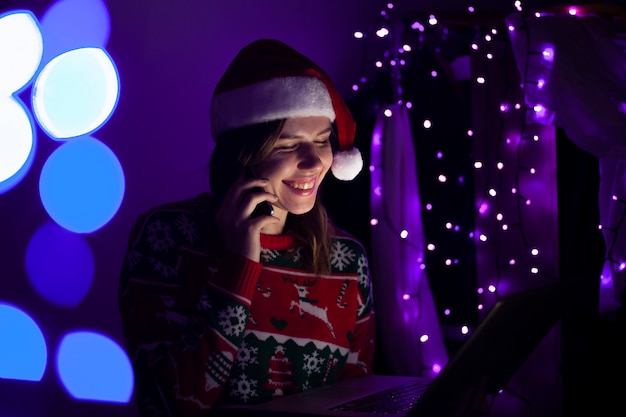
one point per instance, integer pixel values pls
(497, 349)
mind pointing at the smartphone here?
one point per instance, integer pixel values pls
(264, 208)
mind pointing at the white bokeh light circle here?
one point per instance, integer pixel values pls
(21, 50)
(75, 93)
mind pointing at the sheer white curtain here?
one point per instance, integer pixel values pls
(575, 66)
(407, 317)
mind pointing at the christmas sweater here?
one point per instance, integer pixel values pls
(204, 329)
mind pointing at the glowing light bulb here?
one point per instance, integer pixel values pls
(382, 32)
(424, 338)
(548, 54)
(417, 26)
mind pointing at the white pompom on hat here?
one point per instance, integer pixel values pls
(269, 80)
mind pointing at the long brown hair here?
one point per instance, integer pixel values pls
(237, 149)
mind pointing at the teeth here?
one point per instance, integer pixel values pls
(302, 186)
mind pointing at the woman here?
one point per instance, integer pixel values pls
(224, 305)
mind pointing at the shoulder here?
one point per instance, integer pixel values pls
(191, 218)
(343, 237)
(200, 205)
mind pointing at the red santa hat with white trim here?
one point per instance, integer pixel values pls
(269, 80)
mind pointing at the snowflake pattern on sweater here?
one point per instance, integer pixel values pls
(203, 329)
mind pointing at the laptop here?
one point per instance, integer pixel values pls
(488, 359)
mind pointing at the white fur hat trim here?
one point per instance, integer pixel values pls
(273, 99)
(347, 164)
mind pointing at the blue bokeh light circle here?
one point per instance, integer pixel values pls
(59, 265)
(23, 352)
(93, 367)
(82, 185)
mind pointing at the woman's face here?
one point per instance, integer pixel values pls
(297, 164)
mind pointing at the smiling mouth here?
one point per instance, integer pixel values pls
(301, 185)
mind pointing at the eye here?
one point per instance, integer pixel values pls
(285, 148)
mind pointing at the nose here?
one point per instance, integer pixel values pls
(308, 157)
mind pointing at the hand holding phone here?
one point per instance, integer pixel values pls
(264, 208)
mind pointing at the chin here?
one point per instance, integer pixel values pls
(300, 210)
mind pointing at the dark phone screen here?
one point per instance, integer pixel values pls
(264, 208)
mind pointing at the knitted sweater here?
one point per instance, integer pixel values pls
(203, 329)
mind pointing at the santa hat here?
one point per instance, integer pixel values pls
(268, 80)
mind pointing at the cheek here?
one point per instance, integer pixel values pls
(273, 168)
(327, 158)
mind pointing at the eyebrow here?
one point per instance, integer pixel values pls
(297, 136)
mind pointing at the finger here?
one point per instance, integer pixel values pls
(235, 196)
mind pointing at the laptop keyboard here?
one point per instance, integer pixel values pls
(392, 400)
